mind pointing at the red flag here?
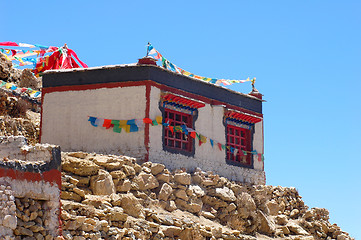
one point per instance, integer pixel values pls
(107, 123)
(8, 44)
(220, 146)
(147, 120)
(193, 134)
(171, 128)
(259, 157)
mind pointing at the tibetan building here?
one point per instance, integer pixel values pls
(153, 114)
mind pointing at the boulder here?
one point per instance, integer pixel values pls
(267, 226)
(224, 193)
(124, 186)
(109, 163)
(272, 207)
(131, 205)
(81, 167)
(163, 177)
(102, 184)
(165, 191)
(118, 174)
(170, 231)
(180, 193)
(246, 205)
(183, 178)
(10, 221)
(146, 181)
(117, 214)
(197, 190)
(281, 219)
(296, 229)
(157, 168)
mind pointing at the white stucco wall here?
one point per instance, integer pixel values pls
(65, 120)
(209, 123)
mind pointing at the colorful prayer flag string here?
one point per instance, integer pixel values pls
(134, 125)
(10, 86)
(168, 65)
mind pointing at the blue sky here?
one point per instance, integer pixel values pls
(304, 54)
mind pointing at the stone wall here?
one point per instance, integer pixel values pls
(30, 182)
(113, 197)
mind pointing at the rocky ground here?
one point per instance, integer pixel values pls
(113, 197)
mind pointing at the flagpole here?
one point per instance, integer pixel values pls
(148, 49)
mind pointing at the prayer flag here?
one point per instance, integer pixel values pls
(211, 141)
(220, 146)
(92, 121)
(147, 120)
(117, 129)
(159, 119)
(133, 128)
(107, 123)
(193, 134)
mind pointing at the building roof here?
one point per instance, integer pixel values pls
(135, 72)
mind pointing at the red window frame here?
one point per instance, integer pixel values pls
(239, 138)
(178, 140)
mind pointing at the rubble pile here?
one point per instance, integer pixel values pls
(113, 197)
(19, 115)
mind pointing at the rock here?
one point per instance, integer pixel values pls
(124, 186)
(81, 167)
(81, 155)
(267, 226)
(294, 213)
(180, 193)
(131, 205)
(118, 174)
(272, 207)
(102, 184)
(285, 230)
(128, 170)
(117, 214)
(163, 177)
(24, 231)
(208, 215)
(10, 221)
(182, 178)
(224, 193)
(198, 191)
(70, 196)
(246, 205)
(343, 236)
(165, 191)
(80, 192)
(145, 181)
(170, 231)
(110, 163)
(296, 229)
(157, 168)
(281, 219)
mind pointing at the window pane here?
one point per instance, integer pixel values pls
(177, 117)
(177, 144)
(236, 132)
(171, 115)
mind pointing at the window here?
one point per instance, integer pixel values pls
(177, 140)
(240, 139)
